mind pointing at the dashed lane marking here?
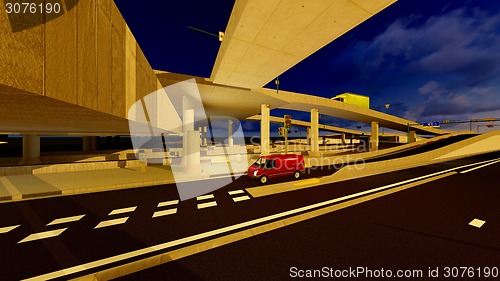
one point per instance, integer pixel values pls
(164, 213)
(123, 210)
(167, 203)
(206, 205)
(477, 223)
(43, 235)
(111, 222)
(65, 220)
(241, 198)
(8, 228)
(209, 196)
(196, 237)
(234, 192)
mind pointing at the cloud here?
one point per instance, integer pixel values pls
(447, 65)
(445, 103)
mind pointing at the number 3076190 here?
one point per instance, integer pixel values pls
(32, 8)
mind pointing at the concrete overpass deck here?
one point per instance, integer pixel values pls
(240, 103)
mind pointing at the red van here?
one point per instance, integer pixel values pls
(278, 165)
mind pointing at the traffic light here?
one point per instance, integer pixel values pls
(288, 121)
(281, 131)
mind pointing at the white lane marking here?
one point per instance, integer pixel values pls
(482, 166)
(206, 205)
(209, 196)
(65, 220)
(164, 213)
(167, 203)
(241, 198)
(234, 192)
(43, 235)
(166, 245)
(8, 228)
(122, 210)
(111, 222)
(477, 223)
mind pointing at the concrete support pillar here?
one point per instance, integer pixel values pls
(191, 139)
(265, 129)
(89, 143)
(413, 136)
(314, 132)
(31, 150)
(230, 133)
(191, 158)
(187, 126)
(342, 139)
(308, 135)
(374, 137)
(204, 136)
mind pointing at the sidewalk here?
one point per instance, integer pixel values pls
(19, 187)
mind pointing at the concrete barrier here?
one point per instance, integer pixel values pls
(488, 142)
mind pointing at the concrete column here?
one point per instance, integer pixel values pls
(314, 132)
(265, 129)
(308, 135)
(192, 158)
(374, 137)
(342, 139)
(89, 143)
(190, 139)
(230, 133)
(31, 150)
(204, 133)
(187, 126)
(413, 136)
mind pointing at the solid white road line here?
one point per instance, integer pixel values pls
(123, 210)
(167, 203)
(8, 228)
(482, 166)
(234, 192)
(209, 196)
(65, 220)
(111, 222)
(477, 223)
(43, 235)
(241, 198)
(166, 245)
(164, 213)
(206, 205)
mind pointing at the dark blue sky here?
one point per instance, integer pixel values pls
(441, 59)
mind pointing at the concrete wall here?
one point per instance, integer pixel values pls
(86, 57)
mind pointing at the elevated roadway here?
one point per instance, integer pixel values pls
(240, 103)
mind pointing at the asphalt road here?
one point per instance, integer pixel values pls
(422, 228)
(400, 229)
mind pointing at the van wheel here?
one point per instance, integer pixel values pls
(263, 179)
(296, 175)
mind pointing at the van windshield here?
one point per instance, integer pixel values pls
(263, 163)
(259, 163)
